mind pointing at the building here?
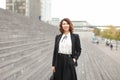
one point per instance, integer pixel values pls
(46, 10)
(102, 28)
(33, 8)
(40, 9)
(55, 21)
(18, 6)
(82, 26)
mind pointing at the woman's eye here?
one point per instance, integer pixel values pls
(65, 24)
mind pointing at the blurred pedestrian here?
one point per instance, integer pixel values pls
(111, 46)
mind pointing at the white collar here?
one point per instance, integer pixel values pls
(66, 34)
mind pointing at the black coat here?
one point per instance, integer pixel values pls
(76, 47)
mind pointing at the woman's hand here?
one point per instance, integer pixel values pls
(74, 59)
(53, 69)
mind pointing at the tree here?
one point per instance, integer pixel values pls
(118, 34)
(96, 31)
(111, 33)
(117, 37)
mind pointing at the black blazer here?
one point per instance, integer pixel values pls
(76, 47)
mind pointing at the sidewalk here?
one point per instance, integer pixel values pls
(102, 44)
(97, 62)
(114, 54)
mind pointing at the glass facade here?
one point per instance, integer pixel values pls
(40, 9)
(18, 6)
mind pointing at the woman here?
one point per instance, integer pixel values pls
(67, 50)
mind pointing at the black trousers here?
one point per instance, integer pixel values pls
(65, 69)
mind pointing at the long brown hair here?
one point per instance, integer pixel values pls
(69, 22)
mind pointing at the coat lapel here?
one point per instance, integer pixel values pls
(58, 40)
(73, 42)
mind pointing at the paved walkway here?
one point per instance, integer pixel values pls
(97, 62)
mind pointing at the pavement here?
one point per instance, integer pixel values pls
(97, 62)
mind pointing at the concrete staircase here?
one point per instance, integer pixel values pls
(26, 47)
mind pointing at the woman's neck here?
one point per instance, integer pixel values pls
(66, 32)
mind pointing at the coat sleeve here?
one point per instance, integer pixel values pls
(54, 52)
(77, 47)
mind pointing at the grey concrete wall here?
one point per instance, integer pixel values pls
(35, 8)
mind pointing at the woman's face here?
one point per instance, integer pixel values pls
(65, 26)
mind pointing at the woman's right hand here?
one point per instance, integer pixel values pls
(53, 69)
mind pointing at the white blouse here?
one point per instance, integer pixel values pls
(65, 44)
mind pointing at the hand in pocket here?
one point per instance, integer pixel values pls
(74, 60)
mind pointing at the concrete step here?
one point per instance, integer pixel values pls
(26, 60)
(15, 48)
(25, 47)
(18, 53)
(41, 71)
(7, 44)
